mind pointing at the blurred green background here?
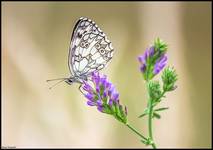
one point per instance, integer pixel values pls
(35, 42)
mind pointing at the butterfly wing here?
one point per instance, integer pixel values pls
(90, 49)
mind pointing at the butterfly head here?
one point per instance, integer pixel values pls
(69, 80)
(76, 79)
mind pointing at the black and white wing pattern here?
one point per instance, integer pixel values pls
(89, 50)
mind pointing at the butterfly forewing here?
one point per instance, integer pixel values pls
(90, 50)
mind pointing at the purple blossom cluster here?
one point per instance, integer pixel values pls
(144, 58)
(102, 94)
(152, 61)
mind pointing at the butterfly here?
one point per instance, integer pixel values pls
(89, 51)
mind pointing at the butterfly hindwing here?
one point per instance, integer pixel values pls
(90, 49)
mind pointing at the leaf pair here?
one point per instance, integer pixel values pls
(155, 114)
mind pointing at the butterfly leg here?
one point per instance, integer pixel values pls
(80, 89)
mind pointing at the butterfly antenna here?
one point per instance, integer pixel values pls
(56, 79)
(63, 79)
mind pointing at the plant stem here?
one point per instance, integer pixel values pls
(134, 130)
(150, 112)
(150, 123)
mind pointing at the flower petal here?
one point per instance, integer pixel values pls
(99, 102)
(143, 68)
(110, 102)
(151, 51)
(89, 96)
(100, 108)
(90, 103)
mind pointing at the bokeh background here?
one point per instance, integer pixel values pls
(35, 42)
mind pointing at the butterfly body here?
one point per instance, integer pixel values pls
(89, 51)
(76, 79)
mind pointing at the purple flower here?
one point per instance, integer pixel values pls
(105, 94)
(151, 51)
(143, 68)
(89, 96)
(91, 103)
(143, 58)
(110, 102)
(99, 102)
(100, 108)
(160, 64)
(95, 78)
(111, 89)
(114, 96)
(87, 87)
(102, 94)
(98, 88)
(152, 62)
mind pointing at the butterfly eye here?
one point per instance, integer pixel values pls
(98, 46)
(102, 51)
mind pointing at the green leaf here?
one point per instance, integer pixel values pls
(161, 109)
(156, 115)
(104, 99)
(107, 109)
(96, 98)
(101, 90)
(117, 111)
(121, 112)
(142, 115)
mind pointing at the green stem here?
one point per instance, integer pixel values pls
(150, 123)
(150, 112)
(134, 130)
